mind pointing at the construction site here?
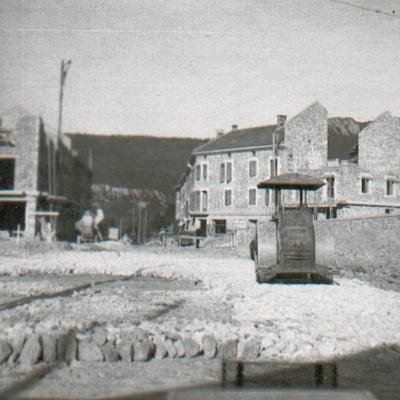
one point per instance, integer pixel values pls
(113, 319)
(148, 251)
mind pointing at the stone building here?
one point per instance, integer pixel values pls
(220, 186)
(42, 182)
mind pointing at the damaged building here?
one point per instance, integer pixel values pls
(219, 185)
(44, 185)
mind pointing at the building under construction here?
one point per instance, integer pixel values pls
(44, 186)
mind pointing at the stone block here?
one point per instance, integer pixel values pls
(110, 352)
(251, 349)
(89, 352)
(67, 347)
(229, 349)
(49, 344)
(17, 345)
(32, 351)
(160, 347)
(192, 348)
(5, 351)
(142, 349)
(209, 346)
(172, 352)
(180, 348)
(125, 350)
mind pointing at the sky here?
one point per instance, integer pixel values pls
(190, 67)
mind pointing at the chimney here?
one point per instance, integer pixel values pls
(280, 120)
(234, 127)
(220, 133)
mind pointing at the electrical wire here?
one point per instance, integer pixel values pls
(360, 7)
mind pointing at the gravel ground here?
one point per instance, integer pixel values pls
(119, 304)
(305, 322)
(17, 287)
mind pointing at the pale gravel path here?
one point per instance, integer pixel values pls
(303, 322)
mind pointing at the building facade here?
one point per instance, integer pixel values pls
(42, 182)
(220, 187)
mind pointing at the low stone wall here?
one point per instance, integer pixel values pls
(369, 245)
(135, 346)
(362, 245)
(359, 245)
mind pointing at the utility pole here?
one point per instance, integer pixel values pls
(133, 221)
(273, 167)
(139, 223)
(141, 206)
(145, 225)
(63, 76)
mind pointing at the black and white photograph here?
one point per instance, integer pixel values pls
(200, 199)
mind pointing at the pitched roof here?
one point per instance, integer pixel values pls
(342, 137)
(239, 138)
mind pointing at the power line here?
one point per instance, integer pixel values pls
(376, 11)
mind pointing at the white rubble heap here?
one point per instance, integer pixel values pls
(289, 322)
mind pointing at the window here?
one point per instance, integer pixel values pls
(267, 197)
(330, 187)
(205, 171)
(220, 226)
(198, 172)
(389, 187)
(204, 200)
(228, 197)
(195, 201)
(252, 168)
(225, 172)
(388, 211)
(365, 185)
(252, 197)
(273, 167)
(229, 172)
(222, 173)
(7, 173)
(186, 207)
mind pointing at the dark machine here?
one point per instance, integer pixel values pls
(295, 236)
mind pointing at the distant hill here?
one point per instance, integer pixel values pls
(130, 169)
(343, 136)
(136, 162)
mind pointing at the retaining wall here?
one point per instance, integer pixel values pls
(369, 245)
(361, 245)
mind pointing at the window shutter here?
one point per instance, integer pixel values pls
(267, 197)
(228, 197)
(228, 172)
(252, 197)
(222, 173)
(204, 201)
(198, 172)
(252, 168)
(205, 171)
